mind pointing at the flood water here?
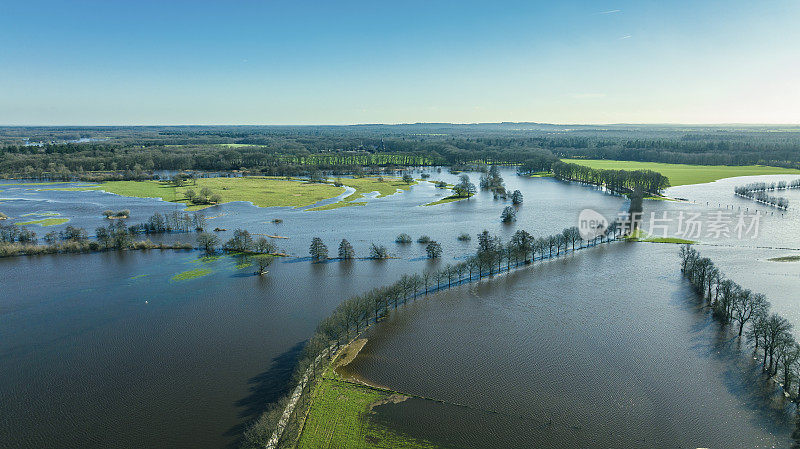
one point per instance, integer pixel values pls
(110, 350)
(605, 348)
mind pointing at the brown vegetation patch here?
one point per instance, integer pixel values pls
(349, 353)
(394, 398)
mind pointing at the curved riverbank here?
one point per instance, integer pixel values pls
(647, 366)
(324, 346)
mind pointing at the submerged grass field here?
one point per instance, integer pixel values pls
(41, 214)
(785, 259)
(681, 174)
(191, 274)
(337, 205)
(261, 191)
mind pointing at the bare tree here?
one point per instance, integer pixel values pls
(746, 305)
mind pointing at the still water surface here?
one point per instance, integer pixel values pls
(605, 348)
(108, 349)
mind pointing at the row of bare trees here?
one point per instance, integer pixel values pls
(757, 192)
(767, 332)
(763, 186)
(354, 314)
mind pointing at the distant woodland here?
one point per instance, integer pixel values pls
(100, 153)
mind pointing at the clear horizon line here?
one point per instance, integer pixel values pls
(398, 124)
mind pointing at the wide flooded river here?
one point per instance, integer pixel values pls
(605, 348)
(111, 350)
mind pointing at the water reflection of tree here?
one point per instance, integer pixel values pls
(796, 434)
(743, 376)
(265, 389)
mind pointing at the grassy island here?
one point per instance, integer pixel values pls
(641, 236)
(261, 191)
(447, 199)
(44, 222)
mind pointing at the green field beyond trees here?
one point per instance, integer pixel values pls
(682, 174)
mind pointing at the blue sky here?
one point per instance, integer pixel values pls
(340, 62)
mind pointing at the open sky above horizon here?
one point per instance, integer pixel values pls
(346, 62)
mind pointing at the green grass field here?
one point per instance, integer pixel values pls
(681, 174)
(447, 199)
(238, 145)
(45, 222)
(137, 189)
(261, 191)
(363, 186)
(339, 418)
(641, 236)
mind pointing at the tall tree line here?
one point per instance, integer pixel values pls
(273, 147)
(623, 181)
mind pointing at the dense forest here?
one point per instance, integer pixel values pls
(137, 152)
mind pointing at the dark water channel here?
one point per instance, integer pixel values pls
(606, 348)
